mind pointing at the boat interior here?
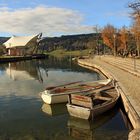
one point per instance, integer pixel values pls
(76, 88)
(94, 99)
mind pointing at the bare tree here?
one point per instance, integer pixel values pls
(135, 6)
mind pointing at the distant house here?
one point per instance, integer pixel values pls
(19, 45)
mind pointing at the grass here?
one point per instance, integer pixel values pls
(8, 56)
(67, 53)
(58, 53)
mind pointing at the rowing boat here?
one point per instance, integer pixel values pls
(59, 94)
(87, 107)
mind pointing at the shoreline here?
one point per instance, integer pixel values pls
(129, 109)
(7, 59)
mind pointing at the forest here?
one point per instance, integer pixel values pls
(71, 42)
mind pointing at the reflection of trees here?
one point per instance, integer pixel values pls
(40, 74)
(63, 63)
(37, 69)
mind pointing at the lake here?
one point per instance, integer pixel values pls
(24, 116)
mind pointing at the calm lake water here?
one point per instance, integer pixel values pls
(24, 116)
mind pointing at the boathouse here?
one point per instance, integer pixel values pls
(22, 45)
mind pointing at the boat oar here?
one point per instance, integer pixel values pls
(99, 90)
(83, 91)
(80, 87)
(53, 87)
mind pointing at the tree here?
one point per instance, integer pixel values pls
(136, 31)
(110, 37)
(124, 37)
(135, 6)
(92, 43)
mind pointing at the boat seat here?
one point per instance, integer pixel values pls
(103, 98)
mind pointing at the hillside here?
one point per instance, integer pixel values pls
(3, 39)
(71, 42)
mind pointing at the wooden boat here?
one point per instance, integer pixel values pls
(59, 94)
(87, 107)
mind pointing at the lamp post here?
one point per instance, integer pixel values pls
(114, 43)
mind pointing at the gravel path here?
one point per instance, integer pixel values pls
(123, 70)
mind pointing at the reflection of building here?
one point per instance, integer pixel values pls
(18, 74)
(22, 71)
(25, 70)
(20, 45)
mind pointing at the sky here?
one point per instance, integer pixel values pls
(61, 17)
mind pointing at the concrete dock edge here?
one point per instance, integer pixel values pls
(130, 111)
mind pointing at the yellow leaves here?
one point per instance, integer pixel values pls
(113, 37)
(107, 35)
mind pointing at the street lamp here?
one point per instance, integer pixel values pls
(114, 41)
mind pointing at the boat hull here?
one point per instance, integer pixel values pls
(86, 113)
(79, 112)
(52, 99)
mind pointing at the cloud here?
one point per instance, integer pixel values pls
(118, 14)
(49, 20)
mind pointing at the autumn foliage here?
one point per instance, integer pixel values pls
(124, 38)
(115, 39)
(107, 35)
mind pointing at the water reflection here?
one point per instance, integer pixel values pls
(18, 74)
(39, 69)
(84, 129)
(53, 110)
(127, 123)
(22, 119)
(100, 128)
(25, 70)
